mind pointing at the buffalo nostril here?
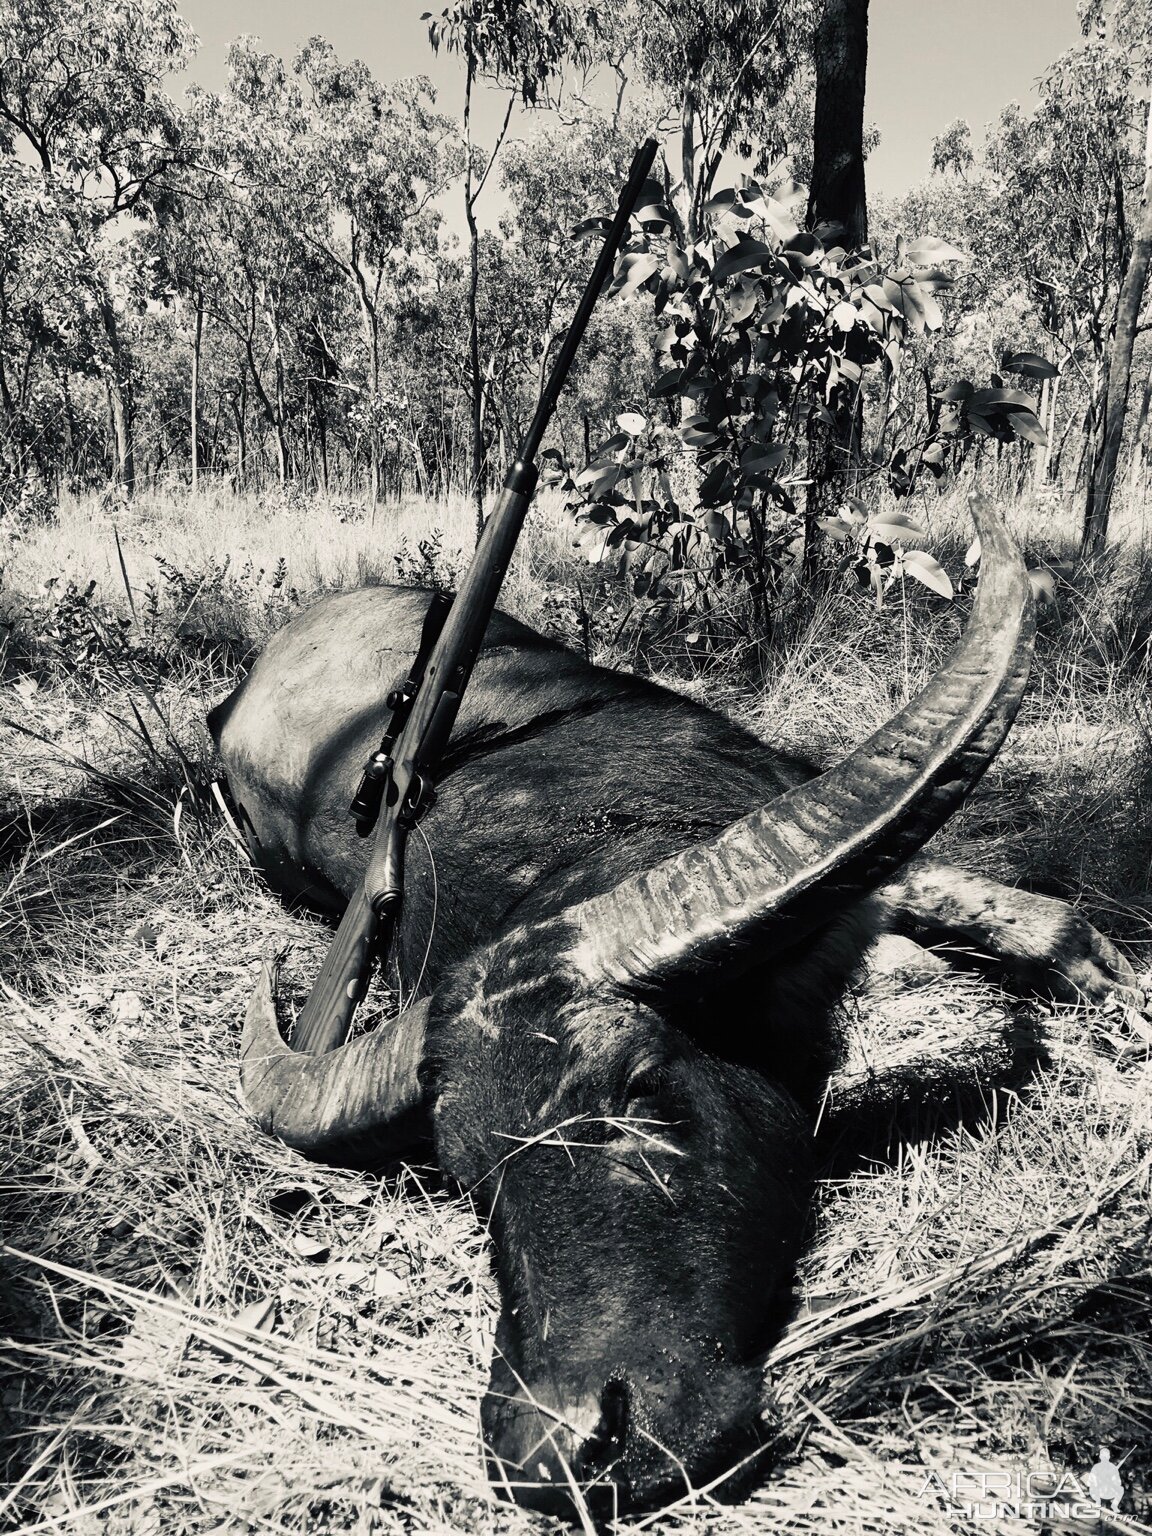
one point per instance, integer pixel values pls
(605, 1444)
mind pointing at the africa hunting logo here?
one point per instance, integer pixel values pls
(1021, 1494)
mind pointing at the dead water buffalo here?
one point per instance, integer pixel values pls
(641, 923)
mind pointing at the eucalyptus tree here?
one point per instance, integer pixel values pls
(1125, 25)
(372, 160)
(81, 98)
(1066, 174)
(46, 331)
(837, 194)
(190, 253)
(727, 76)
(242, 247)
(522, 46)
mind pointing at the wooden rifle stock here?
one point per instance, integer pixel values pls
(366, 928)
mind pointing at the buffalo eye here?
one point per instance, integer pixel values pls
(649, 1096)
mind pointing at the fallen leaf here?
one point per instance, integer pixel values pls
(257, 1316)
(349, 1196)
(83, 1144)
(386, 1282)
(309, 1247)
(126, 1008)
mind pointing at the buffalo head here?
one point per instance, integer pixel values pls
(622, 1087)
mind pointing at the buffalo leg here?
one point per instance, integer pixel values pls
(1042, 942)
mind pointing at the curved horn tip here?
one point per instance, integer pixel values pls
(261, 1036)
(262, 1047)
(989, 519)
(817, 846)
(315, 1102)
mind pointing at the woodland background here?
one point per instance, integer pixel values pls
(270, 342)
(257, 286)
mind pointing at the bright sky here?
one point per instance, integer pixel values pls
(930, 61)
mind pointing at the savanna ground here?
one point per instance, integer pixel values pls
(203, 1332)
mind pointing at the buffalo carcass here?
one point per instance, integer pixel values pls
(643, 921)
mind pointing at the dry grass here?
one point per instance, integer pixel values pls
(205, 1333)
(324, 546)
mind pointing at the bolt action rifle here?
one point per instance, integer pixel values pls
(398, 786)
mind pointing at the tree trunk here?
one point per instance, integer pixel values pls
(1050, 431)
(1040, 455)
(120, 403)
(419, 467)
(837, 194)
(239, 410)
(687, 208)
(69, 429)
(279, 419)
(370, 321)
(322, 444)
(1082, 456)
(1092, 412)
(1139, 442)
(119, 381)
(211, 458)
(276, 407)
(194, 422)
(477, 398)
(1103, 479)
(281, 456)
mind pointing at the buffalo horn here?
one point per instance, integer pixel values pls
(789, 867)
(369, 1085)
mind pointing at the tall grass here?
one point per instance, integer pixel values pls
(319, 545)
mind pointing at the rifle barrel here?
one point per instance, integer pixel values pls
(366, 928)
(601, 272)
